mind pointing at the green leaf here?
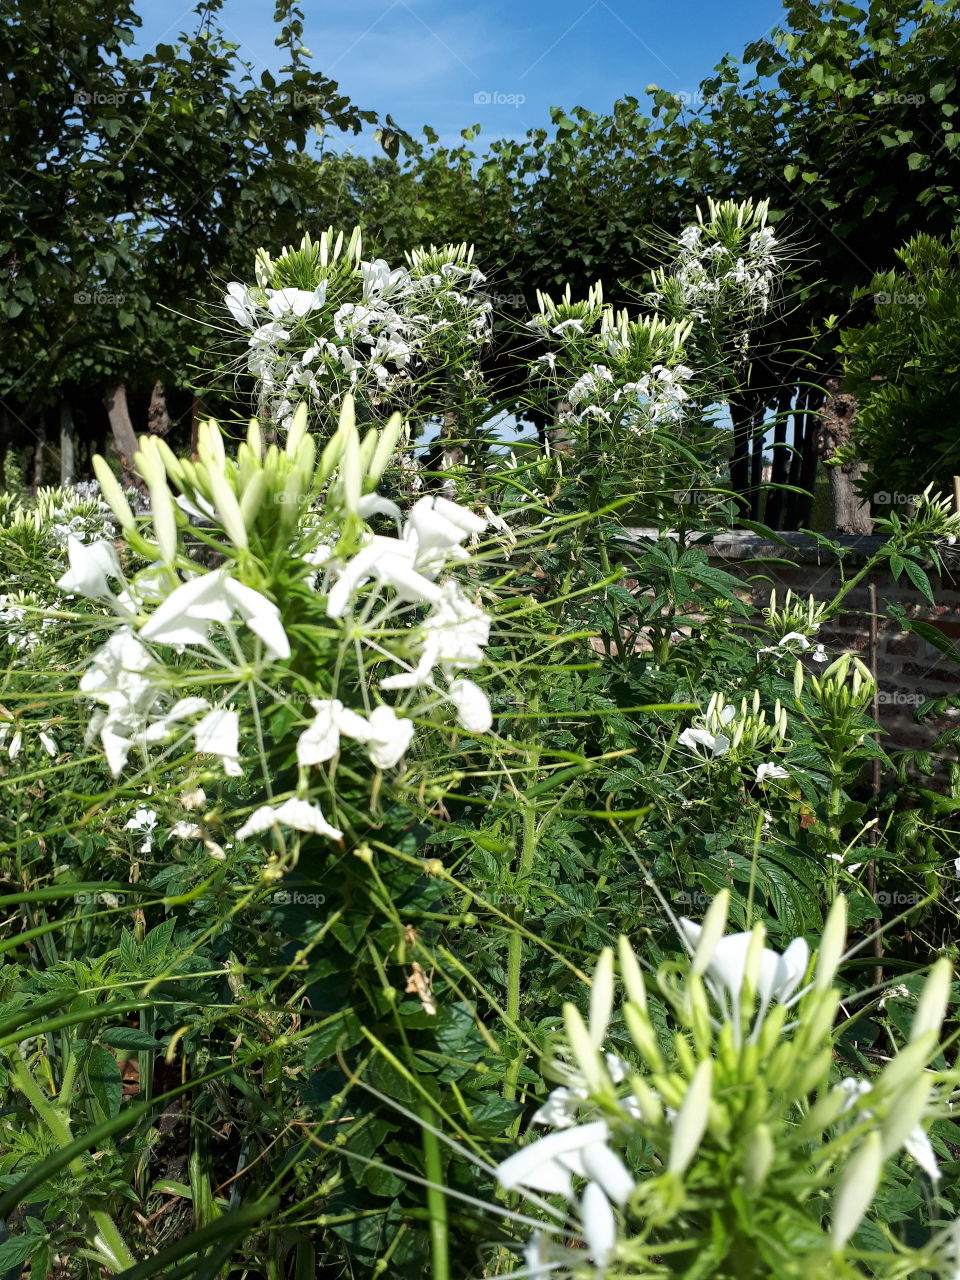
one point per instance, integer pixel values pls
(103, 1077)
(919, 579)
(15, 1251)
(129, 1038)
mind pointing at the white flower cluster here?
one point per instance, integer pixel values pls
(20, 616)
(728, 263)
(421, 623)
(366, 327)
(449, 638)
(605, 367)
(743, 730)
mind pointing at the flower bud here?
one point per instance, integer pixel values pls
(298, 428)
(585, 1052)
(831, 945)
(386, 447)
(631, 973)
(759, 1157)
(714, 923)
(601, 997)
(643, 1035)
(113, 494)
(228, 509)
(906, 1112)
(857, 1188)
(933, 1001)
(690, 1123)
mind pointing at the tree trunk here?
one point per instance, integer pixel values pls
(851, 513)
(124, 436)
(158, 416)
(68, 441)
(39, 450)
(559, 439)
(773, 513)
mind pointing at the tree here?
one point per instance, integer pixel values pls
(128, 182)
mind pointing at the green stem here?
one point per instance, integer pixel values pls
(515, 946)
(108, 1240)
(436, 1200)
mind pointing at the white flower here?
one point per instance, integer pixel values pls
(820, 654)
(778, 977)
(298, 302)
(437, 527)
(599, 1224)
(452, 636)
(241, 305)
(186, 614)
(561, 1108)
(769, 770)
(218, 734)
(186, 831)
(298, 814)
(389, 737)
(116, 678)
(91, 563)
(321, 741)
(919, 1146)
(547, 1164)
(473, 706)
(48, 744)
(717, 744)
(144, 820)
(391, 561)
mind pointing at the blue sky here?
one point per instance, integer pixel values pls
(425, 61)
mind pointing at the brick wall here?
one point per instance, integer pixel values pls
(910, 671)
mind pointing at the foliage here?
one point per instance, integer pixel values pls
(330, 775)
(902, 368)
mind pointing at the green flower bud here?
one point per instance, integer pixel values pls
(857, 1188)
(601, 997)
(831, 945)
(113, 494)
(631, 973)
(690, 1123)
(759, 1157)
(643, 1035)
(386, 447)
(906, 1112)
(585, 1052)
(650, 1106)
(933, 1001)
